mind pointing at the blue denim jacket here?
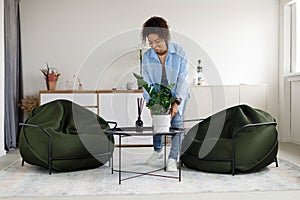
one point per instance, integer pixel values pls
(176, 71)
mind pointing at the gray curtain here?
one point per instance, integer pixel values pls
(13, 73)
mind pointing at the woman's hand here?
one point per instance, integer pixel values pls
(174, 110)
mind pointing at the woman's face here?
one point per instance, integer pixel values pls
(157, 44)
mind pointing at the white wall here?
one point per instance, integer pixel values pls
(240, 37)
(2, 152)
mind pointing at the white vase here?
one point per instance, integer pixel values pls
(161, 123)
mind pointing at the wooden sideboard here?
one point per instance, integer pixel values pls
(121, 105)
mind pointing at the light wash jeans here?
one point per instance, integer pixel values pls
(176, 122)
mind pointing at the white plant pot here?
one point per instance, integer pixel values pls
(161, 123)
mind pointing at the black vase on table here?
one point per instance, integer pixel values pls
(139, 125)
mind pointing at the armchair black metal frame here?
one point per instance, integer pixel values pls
(50, 147)
(237, 133)
(233, 150)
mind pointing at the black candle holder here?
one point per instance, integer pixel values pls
(139, 123)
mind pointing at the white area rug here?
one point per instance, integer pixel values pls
(32, 181)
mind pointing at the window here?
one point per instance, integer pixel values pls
(289, 68)
(291, 37)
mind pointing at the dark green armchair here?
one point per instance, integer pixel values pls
(64, 136)
(238, 139)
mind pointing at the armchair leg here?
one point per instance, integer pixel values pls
(276, 161)
(233, 167)
(233, 156)
(22, 162)
(50, 170)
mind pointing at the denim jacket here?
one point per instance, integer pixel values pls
(176, 71)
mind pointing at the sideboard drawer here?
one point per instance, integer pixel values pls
(88, 100)
(81, 99)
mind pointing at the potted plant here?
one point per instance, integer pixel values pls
(51, 77)
(160, 103)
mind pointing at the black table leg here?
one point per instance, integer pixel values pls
(179, 150)
(120, 146)
(111, 160)
(165, 156)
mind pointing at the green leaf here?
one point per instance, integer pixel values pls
(161, 98)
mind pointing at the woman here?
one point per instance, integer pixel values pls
(164, 63)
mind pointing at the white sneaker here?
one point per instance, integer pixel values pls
(154, 157)
(171, 165)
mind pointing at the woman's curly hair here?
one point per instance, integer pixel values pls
(156, 25)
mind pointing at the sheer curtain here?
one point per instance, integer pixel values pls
(13, 73)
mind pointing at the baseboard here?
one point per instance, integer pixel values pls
(2, 153)
(295, 142)
(290, 140)
(283, 140)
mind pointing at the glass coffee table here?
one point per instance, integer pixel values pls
(147, 131)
